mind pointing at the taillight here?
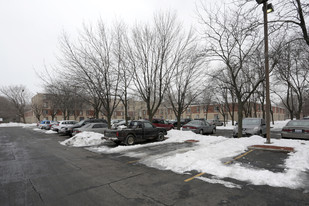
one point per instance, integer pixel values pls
(193, 128)
(117, 134)
(287, 130)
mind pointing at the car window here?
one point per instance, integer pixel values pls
(148, 125)
(251, 121)
(298, 123)
(155, 121)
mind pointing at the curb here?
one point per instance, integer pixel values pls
(272, 148)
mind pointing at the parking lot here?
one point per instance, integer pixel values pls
(37, 170)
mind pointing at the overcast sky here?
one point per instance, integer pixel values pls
(30, 29)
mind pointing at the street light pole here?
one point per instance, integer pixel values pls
(266, 73)
(267, 8)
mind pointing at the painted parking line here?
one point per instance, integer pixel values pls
(240, 156)
(191, 178)
(134, 161)
(202, 173)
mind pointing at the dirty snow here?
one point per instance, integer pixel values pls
(84, 139)
(209, 155)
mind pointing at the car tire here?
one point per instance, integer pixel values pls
(201, 132)
(213, 131)
(130, 140)
(160, 136)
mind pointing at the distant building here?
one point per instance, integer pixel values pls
(44, 107)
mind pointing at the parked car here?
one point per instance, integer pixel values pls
(137, 131)
(68, 130)
(120, 125)
(62, 124)
(162, 123)
(115, 121)
(216, 122)
(91, 127)
(251, 126)
(43, 124)
(49, 126)
(200, 127)
(298, 129)
(182, 122)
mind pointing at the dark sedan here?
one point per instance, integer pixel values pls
(296, 129)
(200, 127)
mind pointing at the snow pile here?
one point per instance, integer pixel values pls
(15, 124)
(84, 139)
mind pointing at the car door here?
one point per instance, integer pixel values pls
(100, 127)
(208, 128)
(149, 130)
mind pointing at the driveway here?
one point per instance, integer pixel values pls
(37, 170)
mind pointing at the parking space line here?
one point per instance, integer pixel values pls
(134, 161)
(191, 178)
(240, 156)
(202, 173)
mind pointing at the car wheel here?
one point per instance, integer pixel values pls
(130, 140)
(160, 136)
(213, 131)
(201, 132)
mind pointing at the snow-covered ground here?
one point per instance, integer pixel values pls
(274, 127)
(14, 124)
(208, 155)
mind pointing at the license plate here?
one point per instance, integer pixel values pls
(298, 131)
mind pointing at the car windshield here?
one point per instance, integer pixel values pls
(251, 121)
(298, 123)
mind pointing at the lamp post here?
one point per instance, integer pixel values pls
(267, 8)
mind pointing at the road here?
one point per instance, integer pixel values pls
(36, 170)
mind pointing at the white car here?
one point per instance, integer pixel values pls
(63, 123)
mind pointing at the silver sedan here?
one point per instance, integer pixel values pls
(200, 127)
(296, 129)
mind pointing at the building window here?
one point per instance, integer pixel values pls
(80, 112)
(45, 105)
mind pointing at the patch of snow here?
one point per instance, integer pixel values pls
(208, 155)
(15, 124)
(218, 181)
(50, 132)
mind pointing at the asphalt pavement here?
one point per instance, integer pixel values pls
(36, 170)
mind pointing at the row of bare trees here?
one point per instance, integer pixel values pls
(151, 61)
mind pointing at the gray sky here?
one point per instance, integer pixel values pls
(30, 29)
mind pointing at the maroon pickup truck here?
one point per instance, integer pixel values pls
(137, 131)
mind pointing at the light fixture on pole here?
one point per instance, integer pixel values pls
(267, 8)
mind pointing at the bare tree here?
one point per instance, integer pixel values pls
(187, 83)
(293, 14)
(232, 37)
(19, 97)
(154, 53)
(37, 110)
(92, 63)
(7, 110)
(292, 73)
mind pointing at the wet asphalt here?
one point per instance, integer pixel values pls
(36, 170)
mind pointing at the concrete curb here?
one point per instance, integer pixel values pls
(272, 148)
